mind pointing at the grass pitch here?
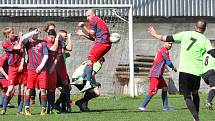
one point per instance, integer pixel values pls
(121, 108)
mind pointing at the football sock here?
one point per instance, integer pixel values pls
(211, 95)
(27, 100)
(43, 100)
(196, 101)
(33, 94)
(164, 99)
(88, 72)
(20, 102)
(191, 106)
(51, 100)
(146, 101)
(1, 97)
(88, 96)
(6, 101)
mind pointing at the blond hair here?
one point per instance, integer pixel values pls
(7, 31)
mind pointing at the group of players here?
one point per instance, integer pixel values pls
(45, 66)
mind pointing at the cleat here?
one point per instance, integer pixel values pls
(43, 111)
(168, 108)
(19, 113)
(10, 105)
(27, 112)
(79, 104)
(142, 109)
(209, 106)
(86, 87)
(3, 112)
(78, 81)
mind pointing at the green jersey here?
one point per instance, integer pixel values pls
(80, 70)
(209, 63)
(193, 47)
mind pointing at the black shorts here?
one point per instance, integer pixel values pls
(59, 81)
(209, 78)
(188, 83)
(80, 86)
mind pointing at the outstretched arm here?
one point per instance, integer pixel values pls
(90, 34)
(152, 31)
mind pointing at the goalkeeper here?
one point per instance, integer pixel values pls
(89, 94)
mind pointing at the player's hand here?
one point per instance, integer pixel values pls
(38, 70)
(80, 32)
(20, 68)
(37, 31)
(81, 24)
(20, 36)
(151, 30)
(174, 69)
(69, 36)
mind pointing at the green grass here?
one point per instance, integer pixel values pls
(119, 109)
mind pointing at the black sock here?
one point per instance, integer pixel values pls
(88, 96)
(196, 101)
(191, 106)
(211, 95)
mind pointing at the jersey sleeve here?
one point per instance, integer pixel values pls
(93, 25)
(178, 37)
(45, 49)
(165, 56)
(3, 58)
(7, 46)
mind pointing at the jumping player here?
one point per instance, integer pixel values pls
(98, 32)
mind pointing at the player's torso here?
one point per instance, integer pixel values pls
(208, 62)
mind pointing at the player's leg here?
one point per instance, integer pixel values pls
(43, 84)
(211, 93)
(21, 98)
(33, 96)
(189, 84)
(97, 51)
(7, 97)
(153, 88)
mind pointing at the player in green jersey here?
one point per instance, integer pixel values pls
(193, 46)
(91, 93)
(209, 77)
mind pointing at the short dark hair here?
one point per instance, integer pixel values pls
(102, 59)
(32, 29)
(52, 32)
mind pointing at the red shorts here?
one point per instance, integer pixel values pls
(13, 75)
(35, 79)
(155, 84)
(52, 80)
(61, 70)
(4, 83)
(97, 51)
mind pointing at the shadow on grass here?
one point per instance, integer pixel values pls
(106, 110)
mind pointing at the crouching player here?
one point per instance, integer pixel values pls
(209, 77)
(37, 57)
(156, 76)
(91, 93)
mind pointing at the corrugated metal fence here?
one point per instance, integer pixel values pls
(141, 7)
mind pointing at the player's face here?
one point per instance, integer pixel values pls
(52, 38)
(11, 35)
(64, 35)
(89, 16)
(168, 45)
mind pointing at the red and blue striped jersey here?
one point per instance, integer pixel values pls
(99, 27)
(159, 63)
(3, 64)
(14, 56)
(36, 51)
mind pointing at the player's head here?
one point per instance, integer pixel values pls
(48, 26)
(63, 34)
(168, 45)
(201, 26)
(35, 37)
(90, 14)
(52, 34)
(101, 60)
(8, 32)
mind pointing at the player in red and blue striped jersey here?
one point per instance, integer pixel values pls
(37, 57)
(13, 48)
(98, 32)
(156, 76)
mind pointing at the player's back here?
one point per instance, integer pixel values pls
(193, 47)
